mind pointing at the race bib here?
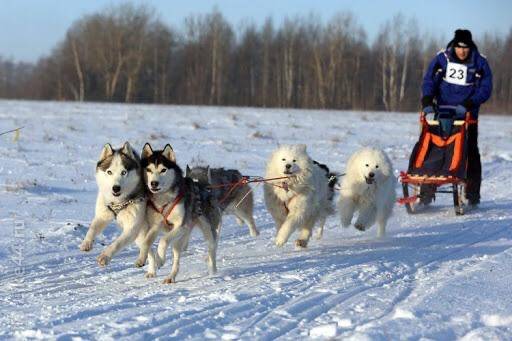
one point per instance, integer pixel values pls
(456, 73)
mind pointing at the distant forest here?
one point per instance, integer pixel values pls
(127, 54)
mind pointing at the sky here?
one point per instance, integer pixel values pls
(29, 29)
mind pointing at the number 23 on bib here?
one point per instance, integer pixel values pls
(456, 74)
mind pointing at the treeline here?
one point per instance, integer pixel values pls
(127, 54)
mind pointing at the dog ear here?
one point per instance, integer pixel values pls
(128, 150)
(386, 171)
(386, 167)
(302, 148)
(384, 163)
(147, 151)
(106, 151)
(187, 171)
(168, 153)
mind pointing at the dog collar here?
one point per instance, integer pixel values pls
(116, 208)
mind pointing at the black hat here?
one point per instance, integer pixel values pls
(463, 38)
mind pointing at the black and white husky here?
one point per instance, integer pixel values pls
(175, 205)
(121, 197)
(232, 195)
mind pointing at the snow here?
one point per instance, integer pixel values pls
(403, 314)
(325, 331)
(497, 320)
(435, 275)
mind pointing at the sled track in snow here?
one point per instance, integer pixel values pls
(265, 317)
(285, 325)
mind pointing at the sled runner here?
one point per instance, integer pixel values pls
(438, 160)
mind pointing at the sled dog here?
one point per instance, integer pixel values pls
(369, 189)
(299, 201)
(175, 205)
(121, 197)
(232, 196)
(332, 180)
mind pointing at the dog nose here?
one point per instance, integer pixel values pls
(288, 166)
(154, 183)
(372, 174)
(116, 189)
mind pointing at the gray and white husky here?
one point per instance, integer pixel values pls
(175, 205)
(121, 197)
(233, 197)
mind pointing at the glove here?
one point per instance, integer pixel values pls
(428, 109)
(468, 104)
(427, 101)
(469, 107)
(460, 111)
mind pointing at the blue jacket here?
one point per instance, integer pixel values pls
(470, 80)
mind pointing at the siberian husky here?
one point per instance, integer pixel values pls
(121, 196)
(301, 200)
(175, 205)
(233, 197)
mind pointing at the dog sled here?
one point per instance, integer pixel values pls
(438, 163)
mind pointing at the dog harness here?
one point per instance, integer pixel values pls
(286, 188)
(173, 205)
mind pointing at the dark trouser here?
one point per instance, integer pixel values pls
(474, 174)
(474, 171)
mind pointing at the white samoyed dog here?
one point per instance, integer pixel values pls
(368, 188)
(299, 201)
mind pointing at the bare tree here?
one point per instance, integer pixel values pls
(135, 23)
(125, 53)
(394, 45)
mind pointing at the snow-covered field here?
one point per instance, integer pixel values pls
(436, 275)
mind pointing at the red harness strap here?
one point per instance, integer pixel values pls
(234, 185)
(285, 187)
(286, 204)
(173, 205)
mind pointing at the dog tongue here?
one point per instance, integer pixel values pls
(285, 186)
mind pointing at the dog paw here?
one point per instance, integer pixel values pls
(212, 271)
(86, 246)
(150, 275)
(360, 226)
(280, 242)
(103, 259)
(301, 243)
(169, 280)
(159, 261)
(254, 233)
(139, 263)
